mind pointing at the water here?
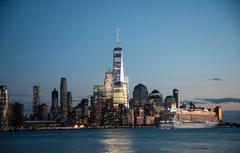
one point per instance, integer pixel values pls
(221, 140)
(154, 140)
(233, 116)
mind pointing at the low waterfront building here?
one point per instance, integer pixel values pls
(35, 125)
(149, 120)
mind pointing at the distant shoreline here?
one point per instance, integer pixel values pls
(224, 124)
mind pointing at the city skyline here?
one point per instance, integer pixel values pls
(199, 57)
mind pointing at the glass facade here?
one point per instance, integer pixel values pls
(120, 85)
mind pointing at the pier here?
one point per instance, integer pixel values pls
(229, 124)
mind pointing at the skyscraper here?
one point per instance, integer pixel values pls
(175, 95)
(3, 107)
(54, 107)
(63, 98)
(36, 100)
(99, 98)
(120, 85)
(16, 115)
(108, 84)
(69, 102)
(140, 95)
(43, 111)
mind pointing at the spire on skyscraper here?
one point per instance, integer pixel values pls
(118, 40)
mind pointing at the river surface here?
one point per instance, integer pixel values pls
(145, 140)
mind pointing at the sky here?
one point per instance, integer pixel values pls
(190, 45)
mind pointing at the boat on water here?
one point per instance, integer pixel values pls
(187, 119)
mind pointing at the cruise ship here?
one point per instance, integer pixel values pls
(188, 118)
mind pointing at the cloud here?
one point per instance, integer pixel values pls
(193, 101)
(216, 79)
(220, 100)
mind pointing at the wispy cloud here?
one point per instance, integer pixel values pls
(216, 79)
(220, 100)
(193, 101)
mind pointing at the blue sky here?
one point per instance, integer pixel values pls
(166, 44)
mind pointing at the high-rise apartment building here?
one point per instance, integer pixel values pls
(108, 84)
(16, 115)
(43, 111)
(36, 100)
(69, 102)
(99, 98)
(54, 107)
(3, 107)
(63, 98)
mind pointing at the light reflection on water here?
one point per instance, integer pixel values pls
(115, 142)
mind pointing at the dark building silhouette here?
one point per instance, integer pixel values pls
(81, 113)
(36, 100)
(63, 98)
(81, 110)
(43, 112)
(54, 107)
(69, 102)
(16, 115)
(140, 95)
(175, 95)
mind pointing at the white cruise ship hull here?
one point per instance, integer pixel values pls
(177, 125)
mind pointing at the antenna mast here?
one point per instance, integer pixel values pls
(118, 40)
